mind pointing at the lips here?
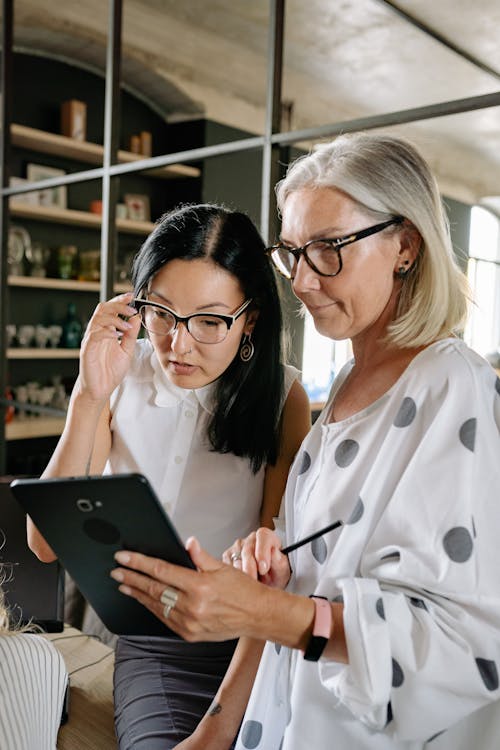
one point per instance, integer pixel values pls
(181, 368)
(318, 308)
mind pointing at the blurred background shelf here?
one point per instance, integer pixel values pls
(89, 153)
(42, 353)
(23, 429)
(71, 217)
(63, 284)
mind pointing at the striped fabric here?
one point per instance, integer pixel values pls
(33, 680)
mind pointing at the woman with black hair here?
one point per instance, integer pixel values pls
(205, 409)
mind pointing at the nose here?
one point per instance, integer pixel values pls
(181, 339)
(305, 279)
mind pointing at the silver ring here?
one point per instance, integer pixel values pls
(166, 610)
(169, 597)
(235, 556)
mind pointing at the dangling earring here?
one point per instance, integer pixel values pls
(247, 348)
(403, 270)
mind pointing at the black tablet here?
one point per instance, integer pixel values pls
(86, 520)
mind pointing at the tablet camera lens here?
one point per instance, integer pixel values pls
(84, 505)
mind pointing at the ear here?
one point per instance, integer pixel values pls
(410, 242)
(251, 321)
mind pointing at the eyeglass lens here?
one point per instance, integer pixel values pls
(320, 254)
(206, 329)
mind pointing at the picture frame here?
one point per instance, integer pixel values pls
(30, 199)
(50, 197)
(138, 208)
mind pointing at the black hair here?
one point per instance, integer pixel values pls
(248, 395)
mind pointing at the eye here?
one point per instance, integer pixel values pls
(209, 322)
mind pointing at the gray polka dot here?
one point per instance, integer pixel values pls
(467, 433)
(473, 527)
(319, 549)
(357, 512)
(489, 673)
(406, 413)
(338, 598)
(251, 734)
(306, 462)
(497, 386)
(458, 544)
(397, 674)
(379, 606)
(419, 603)
(277, 647)
(346, 452)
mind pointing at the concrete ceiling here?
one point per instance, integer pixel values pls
(343, 59)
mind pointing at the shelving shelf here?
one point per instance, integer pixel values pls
(89, 153)
(73, 285)
(34, 427)
(71, 217)
(42, 353)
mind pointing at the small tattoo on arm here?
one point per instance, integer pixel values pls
(214, 709)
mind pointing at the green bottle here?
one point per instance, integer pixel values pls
(72, 329)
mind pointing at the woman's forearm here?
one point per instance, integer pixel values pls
(220, 725)
(83, 433)
(83, 448)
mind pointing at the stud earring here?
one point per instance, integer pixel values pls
(247, 348)
(403, 270)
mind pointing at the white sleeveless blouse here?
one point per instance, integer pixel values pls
(159, 430)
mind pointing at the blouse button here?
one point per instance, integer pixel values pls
(178, 459)
(188, 413)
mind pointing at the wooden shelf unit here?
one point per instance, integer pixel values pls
(89, 153)
(33, 352)
(73, 285)
(70, 217)
(34, 427)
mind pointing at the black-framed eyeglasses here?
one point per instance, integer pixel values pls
(206, 328)
(322, 255)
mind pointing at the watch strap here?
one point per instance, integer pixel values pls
(322, 628)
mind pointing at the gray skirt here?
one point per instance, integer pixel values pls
(163, 687)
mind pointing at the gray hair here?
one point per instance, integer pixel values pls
(387, 177)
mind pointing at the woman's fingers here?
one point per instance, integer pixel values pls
(266, 542)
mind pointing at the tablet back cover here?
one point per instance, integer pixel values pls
(86, 520)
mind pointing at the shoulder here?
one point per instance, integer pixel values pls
(290, 376)
(452, 363)
(20, 645)
(451, 387)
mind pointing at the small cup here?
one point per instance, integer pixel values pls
(41, 336)
(25, 335)
(11, 331)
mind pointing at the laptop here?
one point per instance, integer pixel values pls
(33, 591)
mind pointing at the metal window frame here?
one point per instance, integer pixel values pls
(269, 143)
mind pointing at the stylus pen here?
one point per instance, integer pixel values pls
(291, 547)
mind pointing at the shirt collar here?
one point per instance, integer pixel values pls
(167, 394)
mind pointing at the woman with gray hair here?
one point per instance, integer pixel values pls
(383, 634)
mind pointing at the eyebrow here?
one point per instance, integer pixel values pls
(322, 234)
(208, 306)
